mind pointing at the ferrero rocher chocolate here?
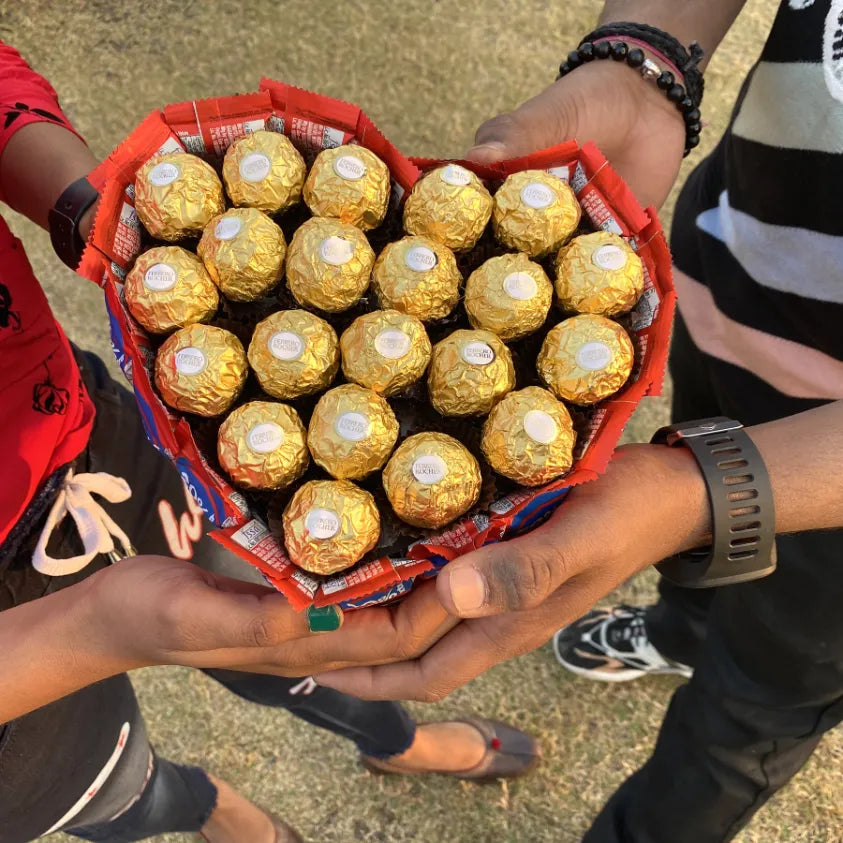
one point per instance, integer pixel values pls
(599, 273)
(431, 479)
(385, 350)
(243, 250)
(294, 353)
(586, 359)
(176, 195)
(349, 183)
(470, 371)
(529, 437)
(264, 170)
(449, 204)
(262, 445)
(535, 212)
(352, 432)
(417, 276)
(329, 525)
(201, 369)
(168, 288)
(509, 295)
(329, 264)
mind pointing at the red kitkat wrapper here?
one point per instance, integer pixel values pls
(314, 122)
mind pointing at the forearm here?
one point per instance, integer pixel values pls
(703, 21)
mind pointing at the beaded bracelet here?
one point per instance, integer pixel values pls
(636, 59)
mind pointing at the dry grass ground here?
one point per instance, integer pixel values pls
(427, 72)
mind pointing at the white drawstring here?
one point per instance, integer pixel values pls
(96, 529)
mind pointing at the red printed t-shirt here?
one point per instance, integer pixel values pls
(45, 413)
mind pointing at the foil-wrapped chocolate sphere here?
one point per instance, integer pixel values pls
(417, 276)
(168, 288)
(329, 525)
(264, 170)
(431, 479)
(349, 183)
(529, 437)
(294, 353)
(201, 369)
(470, 371)
(586, 359)
(535, 212)
(599, 273)
(509, 295)
(262, 445)
(243, 250)
(449, 204)
(352, 432)
(329, 265)
(176, 195)
(385, 350)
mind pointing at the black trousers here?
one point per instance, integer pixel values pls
(53, 756)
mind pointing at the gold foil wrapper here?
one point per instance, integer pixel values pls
(294, 353)
(176, 195)
(329, 265)
(348, 183)
(419, 277)
(599, 273)
(243, 250)
(352, 432)
(470, 371)
(264, 170)
(168, 288)
(262, 445)
(329, 525)
(385, 351)
(535, 212)
(586, 359)
(201, 369)
(431, 479)
(509, 295)
(529, 437)
(450, 205)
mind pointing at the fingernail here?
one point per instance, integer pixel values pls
(468, 589)
(323, 618)
(486, 153)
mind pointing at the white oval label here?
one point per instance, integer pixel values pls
(594, 356)
(322, 523)
(163, 174)
(265, 438)
(353, 427)
(455, 175)
(537, 195)
(160, 278)
(540, 427)
(349, 167)
(421, 259)
(520, 285)
(227, 228)
(392, 343)
(609, 257)
(190, 361)
(255, 167)
(336, 251)
(285, 345)
(429, 469)
(478, 354)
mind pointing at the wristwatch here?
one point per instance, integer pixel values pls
(63, 220)
(742, 513)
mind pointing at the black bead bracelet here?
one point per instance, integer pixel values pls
(635, 58)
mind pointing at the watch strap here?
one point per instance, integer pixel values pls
(64, 218)
(743, 518)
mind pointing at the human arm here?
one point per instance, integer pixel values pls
(633, 123)
(650, 504)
